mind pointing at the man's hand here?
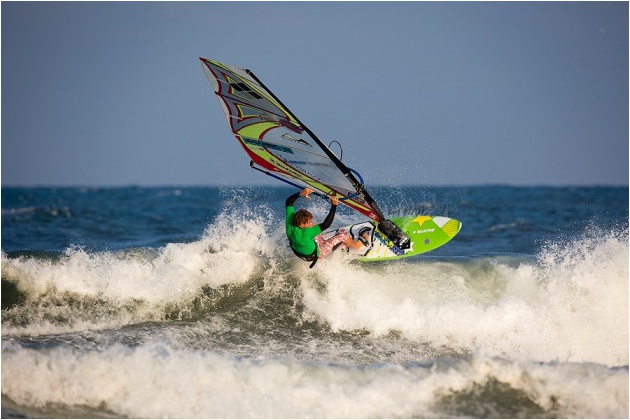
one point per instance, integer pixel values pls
(305, 192)
(334, 200)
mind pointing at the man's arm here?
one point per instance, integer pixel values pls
(304, 193)
(331, 214)
(292, 199)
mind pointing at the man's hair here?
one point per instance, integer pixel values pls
(301, 217)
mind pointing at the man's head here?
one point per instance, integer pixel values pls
(302, 218)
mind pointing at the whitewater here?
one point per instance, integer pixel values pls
(187, 303)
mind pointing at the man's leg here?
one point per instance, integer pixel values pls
(327, 246)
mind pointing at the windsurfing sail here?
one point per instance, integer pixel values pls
(279, 144)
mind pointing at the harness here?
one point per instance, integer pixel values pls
(312, 258)
(309, 258)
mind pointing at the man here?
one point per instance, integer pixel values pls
(304, 235)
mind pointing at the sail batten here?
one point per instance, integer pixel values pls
(278, 142)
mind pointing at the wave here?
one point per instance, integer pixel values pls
(156, 380)
(82, 290)
(567, 303)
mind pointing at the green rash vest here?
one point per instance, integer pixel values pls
(302, 239)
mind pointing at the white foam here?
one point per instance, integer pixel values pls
(570, 305)
(155, 380)
(228, 253)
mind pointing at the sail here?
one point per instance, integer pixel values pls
(278, 143)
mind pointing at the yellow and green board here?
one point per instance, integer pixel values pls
(425, 232)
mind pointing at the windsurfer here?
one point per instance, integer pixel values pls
(305, 236)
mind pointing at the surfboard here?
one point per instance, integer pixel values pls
(426, 233)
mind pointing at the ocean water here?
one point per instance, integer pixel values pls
(187, 303)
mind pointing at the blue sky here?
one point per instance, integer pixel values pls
(106, 94)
